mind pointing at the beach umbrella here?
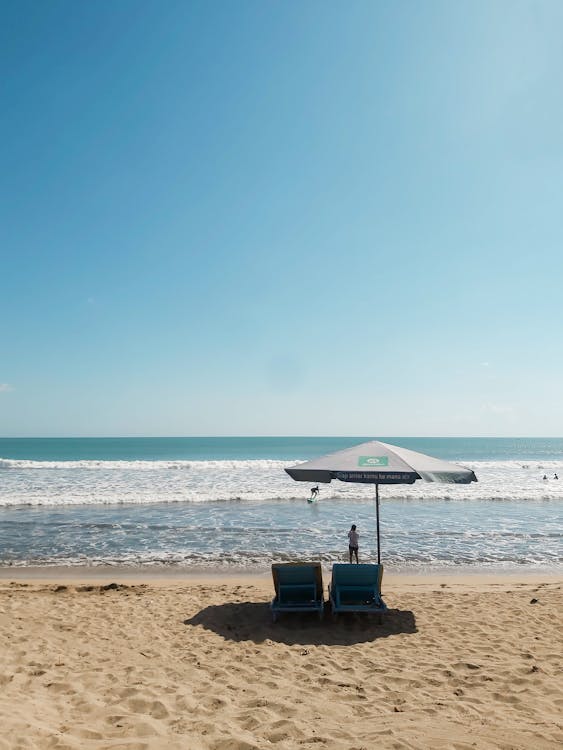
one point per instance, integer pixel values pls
(380, 463)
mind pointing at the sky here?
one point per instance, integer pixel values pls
(281, 218)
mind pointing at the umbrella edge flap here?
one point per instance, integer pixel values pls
(309, 475)
(464, 476)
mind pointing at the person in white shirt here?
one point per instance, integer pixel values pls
(353, 539)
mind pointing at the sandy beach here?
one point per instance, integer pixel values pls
(90, 659)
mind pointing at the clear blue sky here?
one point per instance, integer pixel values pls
(252, 218)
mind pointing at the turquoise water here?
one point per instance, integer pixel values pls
(227, 502)
(283, 448)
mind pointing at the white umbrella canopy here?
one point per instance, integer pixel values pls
(378, 463)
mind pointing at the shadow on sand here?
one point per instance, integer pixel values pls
(252, 621)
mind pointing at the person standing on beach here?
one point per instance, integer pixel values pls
(353, 540)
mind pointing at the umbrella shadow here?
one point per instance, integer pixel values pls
(252, 621)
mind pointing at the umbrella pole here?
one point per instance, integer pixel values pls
(377, 519)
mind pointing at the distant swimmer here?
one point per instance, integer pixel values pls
(555, 476)
(545, 477)
(314, 493)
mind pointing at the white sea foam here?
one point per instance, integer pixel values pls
(222, 465)
(57, 483)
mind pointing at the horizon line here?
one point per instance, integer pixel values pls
(269, 436)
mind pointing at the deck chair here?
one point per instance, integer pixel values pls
(299, 588)
(356, 588)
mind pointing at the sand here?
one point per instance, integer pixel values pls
(196, 662)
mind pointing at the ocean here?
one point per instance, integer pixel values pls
(226, 503)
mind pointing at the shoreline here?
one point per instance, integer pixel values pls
(178, 576)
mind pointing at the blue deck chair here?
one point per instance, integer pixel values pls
(356, 588)
(299, 588)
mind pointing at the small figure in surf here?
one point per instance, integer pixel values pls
(314, 493)
(545, 477)
(353, 543)
(555, 476)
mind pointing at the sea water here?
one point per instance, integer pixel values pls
(228, 503)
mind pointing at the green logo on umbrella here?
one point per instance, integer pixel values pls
(373, 460)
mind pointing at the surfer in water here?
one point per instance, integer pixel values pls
(314, 493)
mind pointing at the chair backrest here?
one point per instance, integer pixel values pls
(348, 574)
(286, 574)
